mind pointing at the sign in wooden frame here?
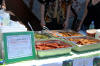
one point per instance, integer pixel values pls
(18, 46)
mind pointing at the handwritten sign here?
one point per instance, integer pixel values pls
(19, 46)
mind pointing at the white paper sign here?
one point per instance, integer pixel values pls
(19, 46)
(83, 62)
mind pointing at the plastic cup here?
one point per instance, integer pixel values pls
(91, 32)
(97, 36)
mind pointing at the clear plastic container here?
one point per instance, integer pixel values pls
(4, 18)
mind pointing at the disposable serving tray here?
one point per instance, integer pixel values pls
(87, 47)
(53, 52)
(60, 36)
(42, 34)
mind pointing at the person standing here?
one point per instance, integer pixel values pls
(75, 14)
(55, 13)
(91, 14)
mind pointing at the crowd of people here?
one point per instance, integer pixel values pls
(70, 14)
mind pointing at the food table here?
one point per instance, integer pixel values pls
(46, 61)
(57, 59)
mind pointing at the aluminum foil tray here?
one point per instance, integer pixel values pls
(50, 48)
(65, 34)
(39, 35)
(84, 43)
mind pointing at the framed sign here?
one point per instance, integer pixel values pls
(18, 46)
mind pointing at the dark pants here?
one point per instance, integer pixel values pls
(54, 25)
(89, 19)
(97, 23)
(0, 2)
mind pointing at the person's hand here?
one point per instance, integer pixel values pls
(65, 25)
(42, 24)
(79, 27)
